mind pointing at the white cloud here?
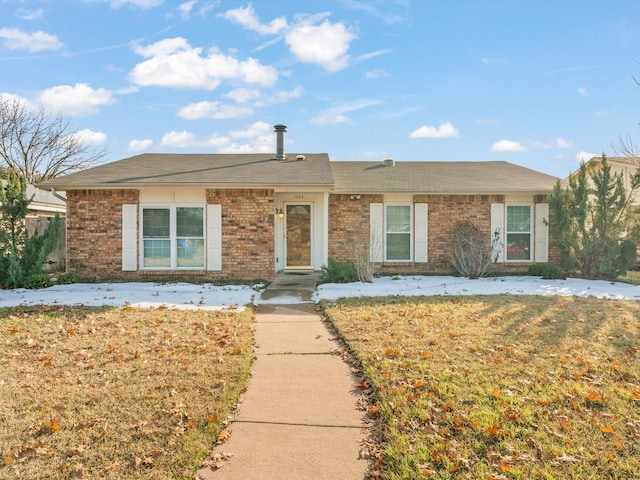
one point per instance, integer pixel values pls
(174, 63)
(329, 118)
(179, 139)
(80, 99)
(555, 143)
(583, 91)
(508, 146)
(336, 115)
(15, 39)
(247, 17)
(89, 137)
(325, 44)
(213, 110)
(445, 130)
(281, 97)
(256, 138)
(25, 14)
(242, 95)
(135, 3)
(139, 145)
(185, 8)
(583, 156)
(377, 73)
(256, 129)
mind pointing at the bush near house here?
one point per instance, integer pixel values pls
(591, 221)
(21, 255)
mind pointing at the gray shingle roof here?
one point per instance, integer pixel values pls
(207, 170)
(439, 177)
(263, 171)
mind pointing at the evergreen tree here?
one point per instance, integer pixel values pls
(21, 256)
(590, 222)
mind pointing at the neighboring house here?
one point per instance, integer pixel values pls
(624, 166)
(248, 216)
(44, 206)
(43, 203)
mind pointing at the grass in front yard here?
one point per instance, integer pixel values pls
(500, 387)
(117, 393)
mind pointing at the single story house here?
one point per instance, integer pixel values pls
(215, 217)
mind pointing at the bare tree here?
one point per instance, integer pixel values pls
(39, 146)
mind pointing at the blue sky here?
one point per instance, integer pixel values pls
(541, 84)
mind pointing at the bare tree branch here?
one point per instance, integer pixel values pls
(39, 146)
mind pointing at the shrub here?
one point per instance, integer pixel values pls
(546, 271)
(472, 252)
(67, 278)
(37, 280)
(339, 272)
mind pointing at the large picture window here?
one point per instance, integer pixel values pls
(519, 232)
(398, 232)
(173, 237)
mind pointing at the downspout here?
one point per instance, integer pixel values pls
(57, 195)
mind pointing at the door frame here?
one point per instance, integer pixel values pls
(310, 205)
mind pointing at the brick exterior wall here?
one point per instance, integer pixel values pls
(248, 251)
(94, 233)
(94, 237)
(349, 224)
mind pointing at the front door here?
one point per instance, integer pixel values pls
(298, 235)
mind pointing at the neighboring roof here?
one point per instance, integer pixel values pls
(252, 170)
(439, 177)
(594, 162)
(43, 200)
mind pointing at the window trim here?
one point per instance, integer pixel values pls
(410, 205)
(173, 235)
(531, 232)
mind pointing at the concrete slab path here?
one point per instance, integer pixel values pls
(298, 418)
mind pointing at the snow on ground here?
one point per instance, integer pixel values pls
(425, 285)
(211, 297)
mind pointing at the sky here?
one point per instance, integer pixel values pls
(542, 84)
(186, 296)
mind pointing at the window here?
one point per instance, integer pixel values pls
(397, 232)
(173, 237)
(519, 232)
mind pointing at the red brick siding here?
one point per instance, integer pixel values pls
(94, 232)
(94, 236)
(349, 224)
(248, 251)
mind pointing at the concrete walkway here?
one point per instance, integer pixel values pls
(298, 418)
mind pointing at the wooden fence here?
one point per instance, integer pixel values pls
(57, 259)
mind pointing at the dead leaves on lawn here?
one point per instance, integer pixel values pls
(115, 393)
(500, 387)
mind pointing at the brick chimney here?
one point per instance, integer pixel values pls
(280, 131)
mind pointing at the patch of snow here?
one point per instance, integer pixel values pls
(213, 297)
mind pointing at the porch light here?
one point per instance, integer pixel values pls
(279, 213)
(355, 196)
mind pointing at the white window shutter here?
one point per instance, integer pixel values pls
(214, 237)
(542, 233)
(421, 215)
(129, 238)
(497, 228)
(376, 237)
